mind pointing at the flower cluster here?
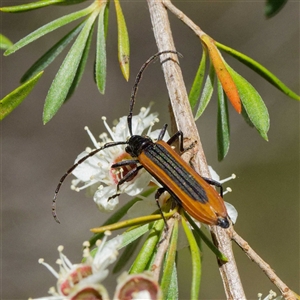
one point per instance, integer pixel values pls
(97, 171)
(83, 280)
(76, 280)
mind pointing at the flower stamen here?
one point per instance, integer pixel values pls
(41, 261)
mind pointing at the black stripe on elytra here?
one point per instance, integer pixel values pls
(162, 158)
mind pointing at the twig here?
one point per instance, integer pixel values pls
(184, 121)
(181, 16)
(286, 292)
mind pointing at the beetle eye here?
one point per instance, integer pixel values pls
(128, 150)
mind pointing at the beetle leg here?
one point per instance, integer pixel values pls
(125, 163)
(128, 175)
(113, 196)
(125, 178)
(157, 195)
(215, 183)
(179, 136)
(162, 132)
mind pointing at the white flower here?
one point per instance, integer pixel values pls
(137, 286)
(74, 280)
(97, 170)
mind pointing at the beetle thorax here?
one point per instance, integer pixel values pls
(136, 144)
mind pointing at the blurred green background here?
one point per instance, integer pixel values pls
(34, 157)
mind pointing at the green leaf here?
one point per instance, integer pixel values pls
(142, 259)
(64, 78)
(15, 98)
(119, 214)
(273, 7)
(44, 61)
(29, 6)
(48, 28)
(131, 235)
(259, 69)
(252, 103)
(170, 261)
(4, 42)
(126, 255)
(196, 261)
(195, 91)
(82, 64)
(173, 285)
(70, 2)
(205, 239)
(100, 70)
(123, 41)
(106, 15)
(206, 93)
(246, 118)
(223, 130)
(131, 222)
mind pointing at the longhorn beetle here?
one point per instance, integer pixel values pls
(191, 191)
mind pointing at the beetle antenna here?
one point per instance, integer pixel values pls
(137, 81)
(80, 161)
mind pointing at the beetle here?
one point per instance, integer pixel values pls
(189, 190)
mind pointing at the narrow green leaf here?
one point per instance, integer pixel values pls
(252, 103)
(173, 285)
(142, 259)
(131, 235)
(64, 78)
(246, 118)
(123, 41)
(196, 260)
(119, 214)
(196, 88)
(29, 6)
(70, 2)
(15, 98)
(45, 60)
(223, 130)
(100, 69)
(126, 255)
(169, 261)
(106, 15)
(206, 93)
(259, 69)
(48, 28)
(131, 222)
(4, 42)
(81, 65)
(272, 7)
(205, 239)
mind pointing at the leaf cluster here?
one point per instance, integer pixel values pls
(232, 86)
(72, 68)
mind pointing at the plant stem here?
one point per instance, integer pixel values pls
(286, 292)
(185, 121)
